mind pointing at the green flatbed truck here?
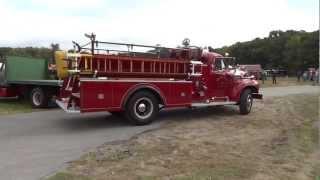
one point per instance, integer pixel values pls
(27, 78)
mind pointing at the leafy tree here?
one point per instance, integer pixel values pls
(36, 52)
(291, 50)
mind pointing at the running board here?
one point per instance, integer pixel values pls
(213, 104)
(63, 106)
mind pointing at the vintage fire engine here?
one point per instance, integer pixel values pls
(140, 84)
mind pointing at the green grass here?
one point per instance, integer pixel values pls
(11, 106)
(284, 81)
(67, 176)
(307, 137)
(226, 172)
(316, 172)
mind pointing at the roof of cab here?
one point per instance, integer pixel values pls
(210, 55)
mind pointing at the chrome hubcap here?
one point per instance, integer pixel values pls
(249, 102)
(143, 108)
(37, 98)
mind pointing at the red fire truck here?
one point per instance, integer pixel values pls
(138, 85)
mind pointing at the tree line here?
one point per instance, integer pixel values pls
(289, 50)
(34, 52)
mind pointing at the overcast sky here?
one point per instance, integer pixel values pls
(165, 22)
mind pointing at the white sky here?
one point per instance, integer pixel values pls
(165, 22)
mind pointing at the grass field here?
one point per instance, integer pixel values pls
(284, 81)
(278, 140)
(11, 106)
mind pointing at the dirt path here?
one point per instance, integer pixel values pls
(278, 140)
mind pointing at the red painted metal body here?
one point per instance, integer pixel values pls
(185, 77)
(111, 95)
(115, 82)
(8, 92)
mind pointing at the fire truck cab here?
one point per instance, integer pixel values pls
(138, 85)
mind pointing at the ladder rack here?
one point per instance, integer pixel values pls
(115, 65)
(157, 62)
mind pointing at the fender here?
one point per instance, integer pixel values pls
(141, 86)
(238, 89)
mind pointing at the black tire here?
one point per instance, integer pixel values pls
(246, 101)
(39, 98)
(142, 108)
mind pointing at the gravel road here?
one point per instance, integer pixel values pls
(37, 144)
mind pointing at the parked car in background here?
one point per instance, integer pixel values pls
(279, 72)
(252, 70)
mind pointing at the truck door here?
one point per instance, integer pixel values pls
(2, 73)
(218, 84)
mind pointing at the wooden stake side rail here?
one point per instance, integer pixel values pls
(114, 65)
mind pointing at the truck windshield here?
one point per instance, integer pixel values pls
(228, 62)
(219, 64)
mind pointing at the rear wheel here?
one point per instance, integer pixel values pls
(142, 108)
(39, 98)
(246, 101)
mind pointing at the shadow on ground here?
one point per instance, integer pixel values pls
(106, 120)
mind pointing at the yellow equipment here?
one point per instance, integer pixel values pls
(61, 64)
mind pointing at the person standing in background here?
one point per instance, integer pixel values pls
(262, 76)
(313, 74)
(305, 76)
(299, 74)
(274, 77)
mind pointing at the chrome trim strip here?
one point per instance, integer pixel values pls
(213, 104)
(149, 81)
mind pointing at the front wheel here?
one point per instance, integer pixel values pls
(246, 101)
(142, 108)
